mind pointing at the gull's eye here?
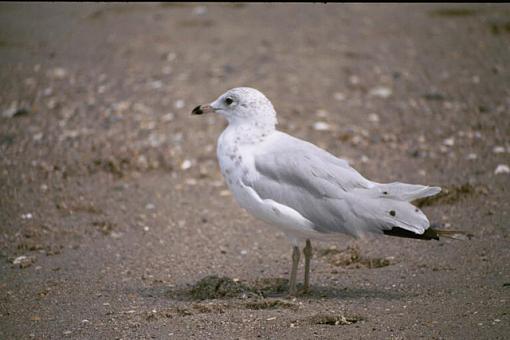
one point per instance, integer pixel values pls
(228, 100)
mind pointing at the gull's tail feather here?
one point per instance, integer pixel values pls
(429, 234)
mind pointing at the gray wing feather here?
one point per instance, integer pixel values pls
(328, 192)
(308, 179)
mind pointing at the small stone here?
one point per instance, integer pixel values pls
(472, 156)
(27, 216)
(502, 169)
(225, 193)
(373, 117)
(364, 159)
(59, 73)
(38, 136)
(179, 104)
(24, 261)
(498, 149)
(244, 252)
(381, 92)
(449, 141)
(191, 181)
(168, 117)
(67, 332)
(186, 164)
(321, 126)
(115, 235)
(354, 80)
(171, 56)
(157, 84)
(339, 96)
(150, 206)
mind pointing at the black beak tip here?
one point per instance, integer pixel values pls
(197, 111)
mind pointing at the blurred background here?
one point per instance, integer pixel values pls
(112, 203)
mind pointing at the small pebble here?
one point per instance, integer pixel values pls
(449, 141)
(354, 80)
(502, 169)
(59, 73)
(179, 104)
(157, 84)
(381, 92)
(168, 117)
(37, 136)
(27, 216)
(498, 149)
(321, 126)
(373, 117)
(225, 193)
(186, 164)
(19, 259)
(339, 96)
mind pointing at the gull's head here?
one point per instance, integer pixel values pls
(242, 105)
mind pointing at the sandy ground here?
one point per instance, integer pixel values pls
(115, 222)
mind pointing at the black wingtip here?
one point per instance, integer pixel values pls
(197, 110)
(429, 234)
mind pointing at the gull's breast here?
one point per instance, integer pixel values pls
(237, 167)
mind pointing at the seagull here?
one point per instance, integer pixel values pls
(304, 190)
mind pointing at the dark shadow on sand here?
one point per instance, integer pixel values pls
(224, 288)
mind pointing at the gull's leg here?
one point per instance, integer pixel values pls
(307, 251)
(293, 272)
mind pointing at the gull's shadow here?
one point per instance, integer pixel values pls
(224, 288)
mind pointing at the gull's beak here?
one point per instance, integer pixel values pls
(202, 109)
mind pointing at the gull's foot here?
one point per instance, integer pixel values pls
(302, 291)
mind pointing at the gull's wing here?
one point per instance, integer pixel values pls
(326, 190)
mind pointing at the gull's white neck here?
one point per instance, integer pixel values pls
(248, 131)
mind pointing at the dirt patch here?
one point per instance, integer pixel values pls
(333, 319)
(498, 28)
(214, 287)
(194, 309)
(450, 195)
(270, 304)
(351, 258)
(271, 286)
